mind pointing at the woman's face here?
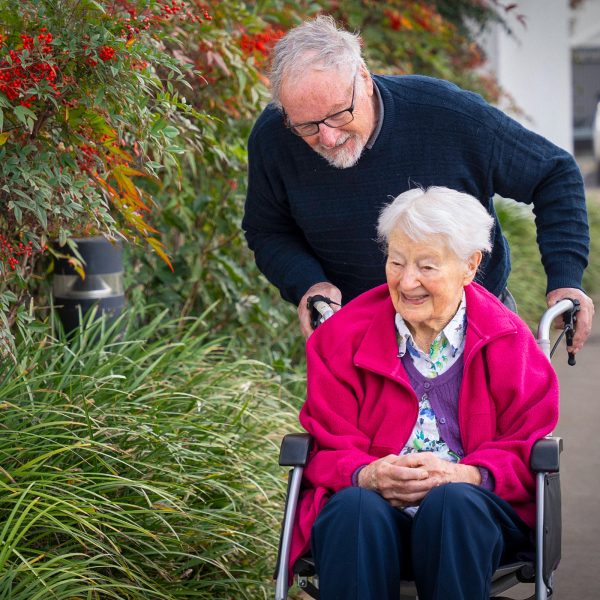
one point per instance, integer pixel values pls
(426, 280)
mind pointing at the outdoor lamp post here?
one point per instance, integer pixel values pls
(101, 287)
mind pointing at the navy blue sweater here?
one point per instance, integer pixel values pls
(307, 221)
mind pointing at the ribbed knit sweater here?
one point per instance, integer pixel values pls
(307, 221)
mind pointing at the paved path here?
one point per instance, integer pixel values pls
(578, 577)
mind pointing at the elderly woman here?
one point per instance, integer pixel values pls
(425, 397)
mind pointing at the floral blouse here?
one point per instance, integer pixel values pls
(444, 351)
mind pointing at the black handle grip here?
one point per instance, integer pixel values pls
(569, 319)
(316, 318)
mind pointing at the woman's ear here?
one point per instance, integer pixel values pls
(472, 265)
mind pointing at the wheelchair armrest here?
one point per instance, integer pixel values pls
(294, 452)
(295, 448)
(545, 455)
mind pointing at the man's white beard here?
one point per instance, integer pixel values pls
(344, 157)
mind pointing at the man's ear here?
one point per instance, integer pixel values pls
(363, 72)
(472, 265)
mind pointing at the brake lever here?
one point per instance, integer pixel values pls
(569, 320)
(320, 309)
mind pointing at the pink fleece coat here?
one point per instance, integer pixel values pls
(360, 405)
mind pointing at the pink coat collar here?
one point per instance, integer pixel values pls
(377, 351)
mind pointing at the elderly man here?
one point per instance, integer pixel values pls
(337, 142)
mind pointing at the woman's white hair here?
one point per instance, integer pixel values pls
(458, 218)
(318, 45)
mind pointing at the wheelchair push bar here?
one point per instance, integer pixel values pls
(568, 308)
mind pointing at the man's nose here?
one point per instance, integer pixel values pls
(328, 136)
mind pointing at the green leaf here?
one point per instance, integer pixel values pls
(26, 116)
(18, 214)
(171, 131)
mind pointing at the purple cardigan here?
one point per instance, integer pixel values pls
(360, 405)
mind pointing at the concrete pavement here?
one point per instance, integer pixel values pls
(578, 577)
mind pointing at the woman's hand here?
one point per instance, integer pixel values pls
(405, 480)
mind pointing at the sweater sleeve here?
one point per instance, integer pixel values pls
(528, 168)
(280, 248)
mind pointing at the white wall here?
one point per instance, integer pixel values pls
(534, 67)
(585, 24)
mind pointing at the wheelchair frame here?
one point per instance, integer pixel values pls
(544, 462)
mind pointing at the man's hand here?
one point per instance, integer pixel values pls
(323, 288)
(583, 323)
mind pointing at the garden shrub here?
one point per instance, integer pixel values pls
(137, 463)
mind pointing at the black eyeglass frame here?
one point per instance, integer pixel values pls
(350, 109)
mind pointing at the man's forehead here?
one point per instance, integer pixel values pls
(321, 91)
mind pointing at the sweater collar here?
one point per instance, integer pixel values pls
(388, 109)
(380, 114)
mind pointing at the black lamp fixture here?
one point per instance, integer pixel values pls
(101, 287)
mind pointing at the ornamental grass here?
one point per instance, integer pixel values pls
(138, 462)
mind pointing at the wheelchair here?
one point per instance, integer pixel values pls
(544, 463)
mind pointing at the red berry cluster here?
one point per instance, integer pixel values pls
(19, 75)
(106, 53)
(260, 43)
(178, 7)
(11, 254)
(88, 159)
(168, 10)
(134, 25)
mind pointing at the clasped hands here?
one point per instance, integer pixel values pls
(405, 480)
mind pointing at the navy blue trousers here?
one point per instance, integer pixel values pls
(363, 547)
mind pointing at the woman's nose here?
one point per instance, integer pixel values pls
(409, 279)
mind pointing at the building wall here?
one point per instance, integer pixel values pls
(534, 67)
(585, 45)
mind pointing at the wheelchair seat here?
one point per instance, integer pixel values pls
(545, 463)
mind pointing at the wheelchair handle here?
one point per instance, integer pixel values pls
(566, 307)
(320, 309)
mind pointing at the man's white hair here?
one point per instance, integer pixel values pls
(458, 218)
(318, 45)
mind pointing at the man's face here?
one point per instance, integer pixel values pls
(320, 94)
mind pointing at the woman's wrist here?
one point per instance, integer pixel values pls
(366, 477)
(468, 474)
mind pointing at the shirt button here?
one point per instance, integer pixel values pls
(424, 397)
(427, 385)
(442, 420)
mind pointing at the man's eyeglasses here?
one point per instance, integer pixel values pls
(338, 119)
